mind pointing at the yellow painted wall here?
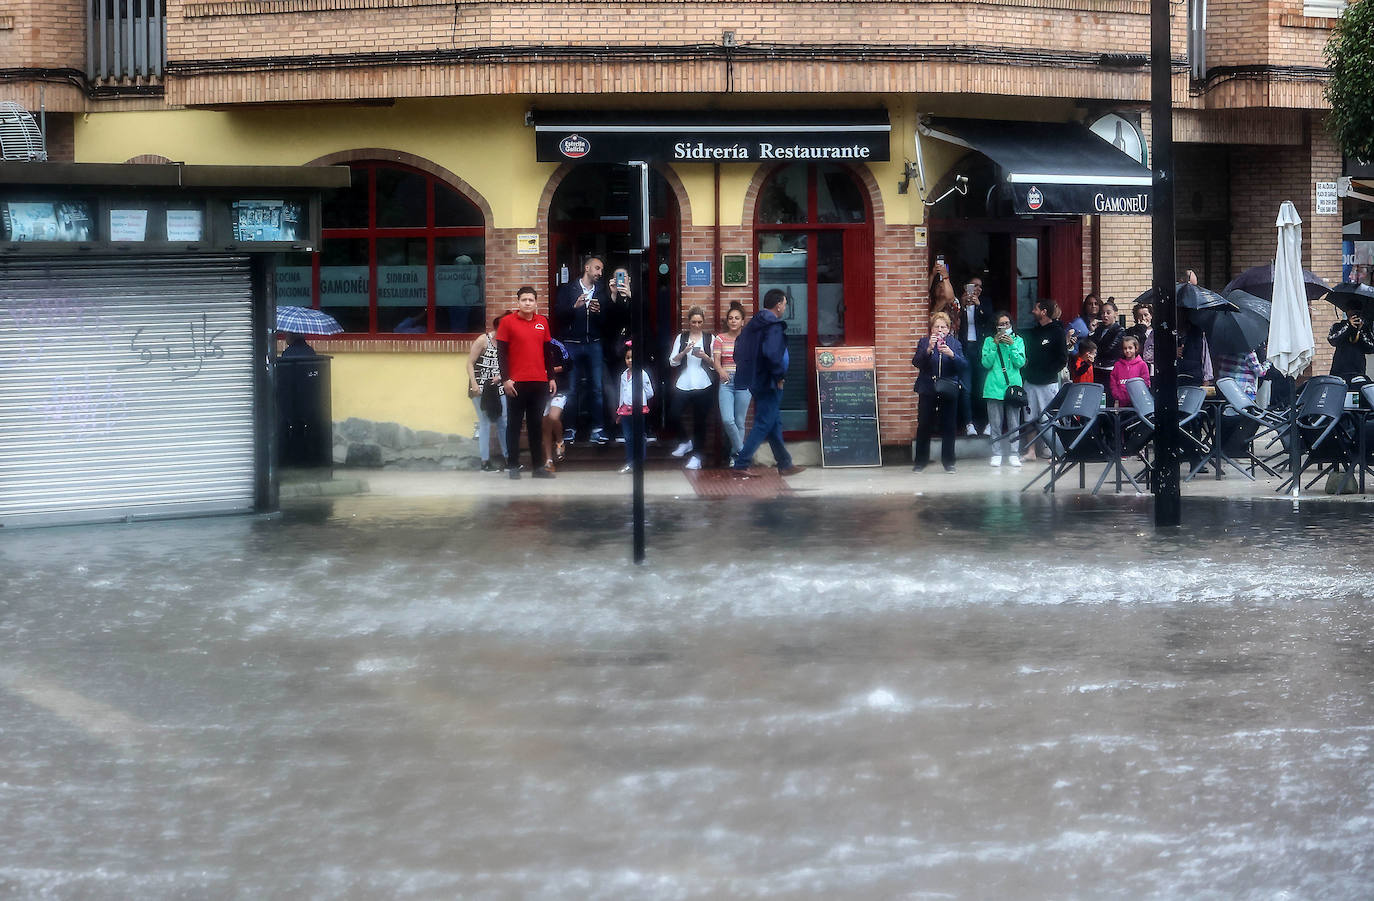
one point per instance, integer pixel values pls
(419, 391)
(483, 142)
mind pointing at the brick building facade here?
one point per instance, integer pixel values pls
(445, 90)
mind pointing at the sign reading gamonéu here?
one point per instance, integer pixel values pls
(847, 394)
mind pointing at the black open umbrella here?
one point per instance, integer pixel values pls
(1349, 296)
(1259, 281)
(1235, 332)
(1192, 297)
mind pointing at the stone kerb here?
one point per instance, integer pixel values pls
(362, 443)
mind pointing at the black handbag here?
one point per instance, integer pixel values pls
(1016, 395)
(945, 387)
(491, 400)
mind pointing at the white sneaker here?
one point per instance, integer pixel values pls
(694, 462)
(996, 459)
(970, 431)
(682, 449)
(627, 468)
(987, 430)
(1015, 461)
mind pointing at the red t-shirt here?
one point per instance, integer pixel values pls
(525, 340)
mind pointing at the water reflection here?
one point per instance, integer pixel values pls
(939, 697)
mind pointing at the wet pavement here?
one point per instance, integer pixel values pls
(949, 696)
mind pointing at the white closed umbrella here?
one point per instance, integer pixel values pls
(1290, 324)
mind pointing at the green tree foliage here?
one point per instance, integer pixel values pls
(1350, 54)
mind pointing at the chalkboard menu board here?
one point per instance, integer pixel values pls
(847, 390)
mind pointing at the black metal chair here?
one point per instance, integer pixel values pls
(1243, 422)
(1081, 433)
(1319, 430)
(1137, 435)
(1039, 428)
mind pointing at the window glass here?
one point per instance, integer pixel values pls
(401, 198)
(452, 208)
(402, 285)
(783, 199)
(344, 287)
(459, 284)
(293, 274)
(830, 288)
(346, 207)
(837, 195)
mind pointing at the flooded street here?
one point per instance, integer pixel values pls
(893, 698)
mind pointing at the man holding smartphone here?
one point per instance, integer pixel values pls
(579, 318)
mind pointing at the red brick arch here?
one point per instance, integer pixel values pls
(376, 154)
(763, 173)
(684, 205)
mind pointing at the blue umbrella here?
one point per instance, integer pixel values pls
(305, 321)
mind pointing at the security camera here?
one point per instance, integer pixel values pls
(960, 179)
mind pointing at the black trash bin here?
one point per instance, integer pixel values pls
(305, 428)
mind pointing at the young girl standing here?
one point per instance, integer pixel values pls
(624, 413)
(1130, 366)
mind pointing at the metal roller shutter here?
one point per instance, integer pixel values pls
(126, 388)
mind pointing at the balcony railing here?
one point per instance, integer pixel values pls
(125, 39)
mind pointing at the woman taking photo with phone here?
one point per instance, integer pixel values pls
(1003, 356)
(943, 369)
(691, 355)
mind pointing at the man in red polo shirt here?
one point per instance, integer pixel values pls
(521, 341)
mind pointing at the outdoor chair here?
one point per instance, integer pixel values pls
(1137, 436)
(1323, 441)
(1193, 448)
(1243, 422)
(1081, 432)
(1038, 429)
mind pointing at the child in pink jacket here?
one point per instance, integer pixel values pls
(1130, 366)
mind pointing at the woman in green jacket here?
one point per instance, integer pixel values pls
(1004, 353)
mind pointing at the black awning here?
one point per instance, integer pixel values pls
(1053, 168)
(712, 137)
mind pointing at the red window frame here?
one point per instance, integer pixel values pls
(372, 233)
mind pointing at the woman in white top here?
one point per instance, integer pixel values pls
(692, 356)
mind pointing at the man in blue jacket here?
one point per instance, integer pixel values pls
(761, 366)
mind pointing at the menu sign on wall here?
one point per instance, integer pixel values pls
(847, 394)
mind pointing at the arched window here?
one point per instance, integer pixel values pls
(401, 253)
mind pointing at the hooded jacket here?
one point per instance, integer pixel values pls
(761, 352)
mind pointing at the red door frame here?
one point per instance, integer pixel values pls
(859, 317)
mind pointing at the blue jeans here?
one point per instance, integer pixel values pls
(585, 387)
(484, 429)
(767, 427)
(734, 408)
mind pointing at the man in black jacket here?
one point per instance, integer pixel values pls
(577, 317)
(1351, 341)
(761, 365)
(1047, 353)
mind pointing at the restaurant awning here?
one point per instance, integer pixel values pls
(739, 136)
(1053, 168)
